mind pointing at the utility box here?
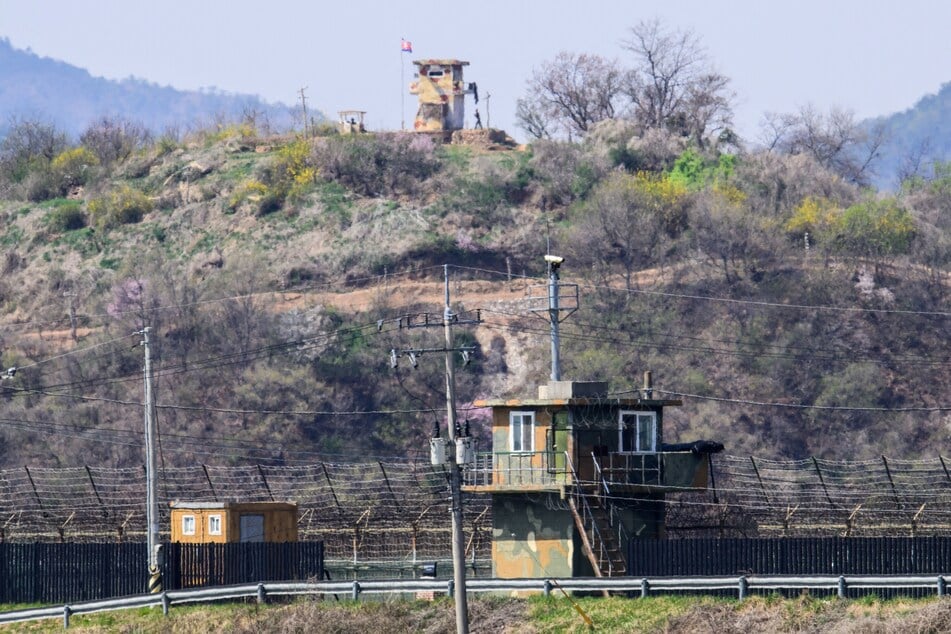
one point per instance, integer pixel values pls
(228, 522)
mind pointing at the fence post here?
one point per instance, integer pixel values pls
(742, 588)
(942, 586)
(645, 588)
(165, 603)
(66, 612)
(842, 587)
(261, 594)
(355, 593)
(450, 588)
(547, 588)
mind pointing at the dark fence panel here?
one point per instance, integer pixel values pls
(195, 565)
(791, 556)
(69, 572)
(56, 573)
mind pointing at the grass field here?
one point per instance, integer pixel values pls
(534, 615)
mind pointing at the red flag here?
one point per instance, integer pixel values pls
(406, 46)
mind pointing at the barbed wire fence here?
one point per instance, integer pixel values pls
(761, 497)
(398, 511)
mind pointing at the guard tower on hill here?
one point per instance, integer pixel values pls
(441, 90)
(575, 473)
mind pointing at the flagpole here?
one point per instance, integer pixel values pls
(402, 82)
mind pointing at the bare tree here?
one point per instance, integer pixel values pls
(29, 144)
(835, 140)
(114, 139)
(569, 94)
(673, 85)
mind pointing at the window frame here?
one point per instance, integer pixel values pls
(214, 519)
(637, 431)
(522, 415)
(189, 525)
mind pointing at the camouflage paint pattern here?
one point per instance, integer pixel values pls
(441, 90)
(531, 537)
(534, 532)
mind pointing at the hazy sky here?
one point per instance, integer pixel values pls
(874, 57)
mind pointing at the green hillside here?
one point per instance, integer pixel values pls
(273, 272)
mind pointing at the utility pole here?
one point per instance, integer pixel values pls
(560, 301)
(458, 451)
(151, 495)
(303, 105)
(455, 480)
(554, 263)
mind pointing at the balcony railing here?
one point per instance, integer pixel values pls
(517, 469)
(543, 469)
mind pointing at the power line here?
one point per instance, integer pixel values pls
(809, 353)
(350, 283)
(938, 408)
(711, 298)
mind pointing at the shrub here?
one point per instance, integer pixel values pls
(121, 206)
(114, 139)
(378, 164)
(73, 168)
(819, 217)
(28, 146)
(877, 228)
(67, 216)
(249, 191)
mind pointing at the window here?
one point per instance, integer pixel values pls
(638, 432)
(188, 524)
(436, 72)
(522, 431)
(214, 525)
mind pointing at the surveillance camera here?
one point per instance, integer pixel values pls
(554, 259)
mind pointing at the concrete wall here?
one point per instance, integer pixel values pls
(529, 539)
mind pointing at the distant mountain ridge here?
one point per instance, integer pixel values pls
(918, 137)
(68, 96)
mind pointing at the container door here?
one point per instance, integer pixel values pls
(251, 528)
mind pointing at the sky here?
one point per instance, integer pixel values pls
(873, 57)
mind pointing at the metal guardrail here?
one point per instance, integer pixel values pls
(632, 585)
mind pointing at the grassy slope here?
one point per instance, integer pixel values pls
(199, 244)
(672, 615)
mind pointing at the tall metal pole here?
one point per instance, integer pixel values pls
(151, 496)
(455, 480)
(402, 86)
(553, 315)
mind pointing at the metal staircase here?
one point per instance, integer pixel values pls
(597, 522)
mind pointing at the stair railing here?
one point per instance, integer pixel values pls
(587, 519)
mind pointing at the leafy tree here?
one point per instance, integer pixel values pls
(877, 228)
